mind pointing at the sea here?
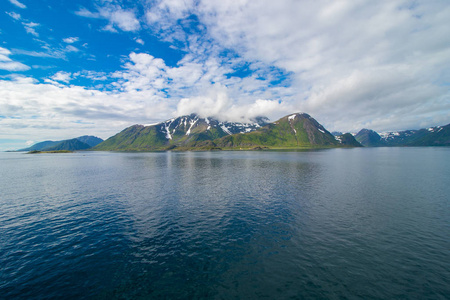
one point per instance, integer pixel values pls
(361, 223)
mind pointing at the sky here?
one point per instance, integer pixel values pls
(95, 67)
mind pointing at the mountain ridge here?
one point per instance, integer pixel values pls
(432, 136)
(85, 142)
(192, 132)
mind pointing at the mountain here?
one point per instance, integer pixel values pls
(369, 138)
(433, 136)
(92, 141)
(71, 144)
(195, 133)
(293, 131)
(39, 146)
(185, 131)
(347, 139)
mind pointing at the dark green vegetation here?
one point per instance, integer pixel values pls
(182, 133)
(80, 143)
(54, 151)
(39, 146)
(70, 145)
(433, 136)
(294, 131)
(193, 133)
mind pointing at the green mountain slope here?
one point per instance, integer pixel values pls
(70, 145)
(194, 133)
(85, 139)
(183, 133)
(293, 131)
(39, 146)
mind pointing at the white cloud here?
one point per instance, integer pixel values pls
(70, 48)
(118, 17)
(14, 15)
(6, 63)
(62, 76)
(216, 103)
(28, 25)
(125, 20)
(140, 41)
(92, 75)
(13, 66)
(51, 53)
(145, 91)
(18, 4)
(352, 64)
(29, 28)
(42, 111)
(71, 40)
(202, 87)
(5, 52)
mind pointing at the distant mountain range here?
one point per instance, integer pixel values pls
(195, 133)
(433, 136)
(295, 131)
(80, 143)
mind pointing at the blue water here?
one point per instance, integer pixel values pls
(369, 223)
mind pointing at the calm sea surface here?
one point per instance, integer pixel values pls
(368, 223)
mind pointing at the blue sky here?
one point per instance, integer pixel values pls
(70, 68)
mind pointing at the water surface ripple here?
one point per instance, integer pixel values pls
(332, 224)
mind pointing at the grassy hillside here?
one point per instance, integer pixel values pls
(70, 145)
(294, 131)
(193, 133)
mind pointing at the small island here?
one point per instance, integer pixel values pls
(54, 151)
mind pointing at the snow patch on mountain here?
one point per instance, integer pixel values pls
(192, 122)
(167, 128)
(224, 128)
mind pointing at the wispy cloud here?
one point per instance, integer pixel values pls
(54, 54)
(364, 62)
(71, 40)
(58, 52)
(30, 28)
(62, 76)
(6, 63)
(18, 4)
(70, 48)
(118, 17)
(350, 64)
(50, 110)
(14, 15)
(380, 64)
(28, 25)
